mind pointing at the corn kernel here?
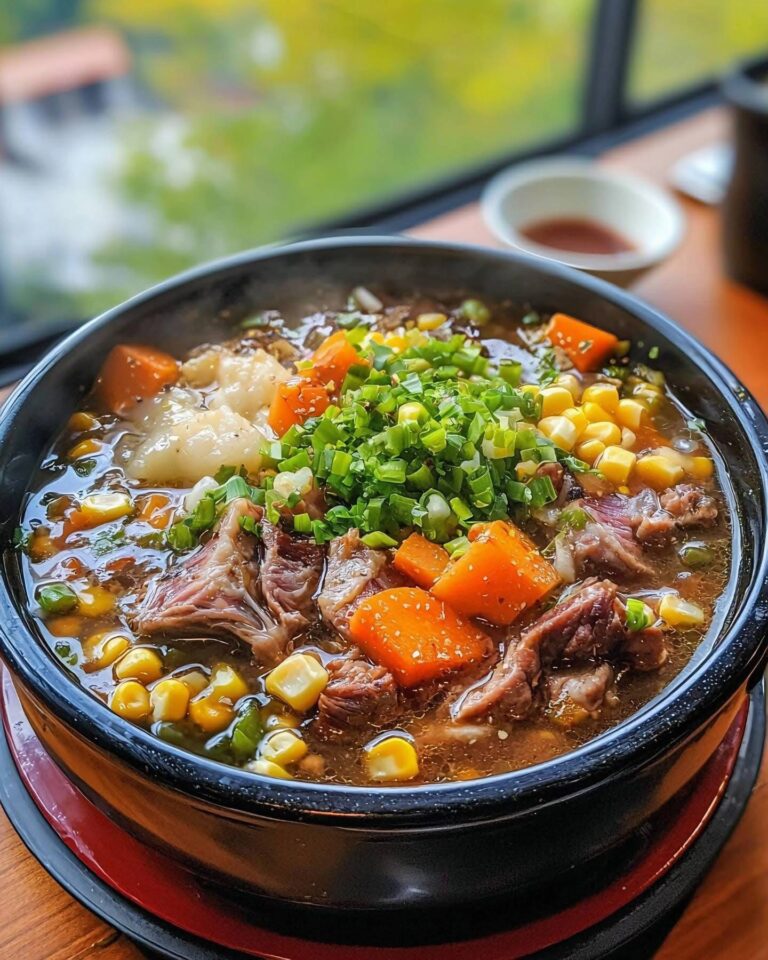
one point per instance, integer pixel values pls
(86, 448)
(130, 700)
(631, 414)
(701, 468)
(102, 507)
(605, 395)
(628, 438)
(648, 394)
(577, 418)
(281, 721)
(169, 700)
(80, 422)
(227, 684)
(531, 388)
(525, 469)
(590, 450)
(140, 663)
(298, 681)
(571, 383)
(284, 747)
(391, 759)
(680, 613)
(195, 681)
(430, 321)
(659, 471)
(269, 769)
(560, 430)
(604, 431)
(103, 649)
(209, 714)
(94, 601)
(66, 625)
(395, 342)
(616, 464)
(595, 413)
(554, 400)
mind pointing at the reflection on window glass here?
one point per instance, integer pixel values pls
(140, 137)
(680, 42)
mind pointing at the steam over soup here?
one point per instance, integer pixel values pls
(403, 542)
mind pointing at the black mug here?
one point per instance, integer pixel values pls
(745, 207)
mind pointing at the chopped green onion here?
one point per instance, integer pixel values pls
(639, 615)
(57, 598)
(302, 523)
(377, 540)
(180, 537)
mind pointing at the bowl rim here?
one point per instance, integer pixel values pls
(575, 167)
(660, 726)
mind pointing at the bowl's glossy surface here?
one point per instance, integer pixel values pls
(331, 845)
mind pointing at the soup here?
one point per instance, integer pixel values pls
(404, 542)
(576, 235)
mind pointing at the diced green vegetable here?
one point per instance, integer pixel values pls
(639, 615)
(696, 555)
(57, 598)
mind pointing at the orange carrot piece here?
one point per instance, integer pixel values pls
(421, 560)
(155, 509)
(132, 373)
(587, 346)
(501, 574)
(414, 635)
(332, 360)
(294, 402)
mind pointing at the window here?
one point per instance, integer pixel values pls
(170, 132)
(682, 42)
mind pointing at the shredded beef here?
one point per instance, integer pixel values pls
(359, 694)
(215, 591)
(606, 542)
(584, 687)
(290, 575)
(657, 517)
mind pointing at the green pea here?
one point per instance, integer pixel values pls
(696, 555)
(476, 312)
(57, 598)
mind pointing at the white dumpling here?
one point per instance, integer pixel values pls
(185, 442)
(246, 383)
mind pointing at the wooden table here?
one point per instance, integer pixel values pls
(728, 918)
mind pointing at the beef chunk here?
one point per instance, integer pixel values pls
(359, 694)
(586, 626)
(354, 572)
(658, 517)
(606, 542)
(290, 575)
(215, 592)
(575, 694)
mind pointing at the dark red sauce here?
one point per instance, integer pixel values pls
(577, 235)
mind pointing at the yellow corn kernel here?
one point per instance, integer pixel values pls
(66, 625)
(130, 700)
(298, 681)
(560, 430)
(209, 714)
(227, 684)
(80, 422)
(604, 431)
(195, 681)
(554, 400)
(169, 700)
(605, 395)
(390, 759)
(659, 471)
(680, 613)
(102, 507)
(525, 469)
(572, 384)
(269, 769)
(140, 663)
(430, 321)
(281, 721)
(628, 438)
(590, 450)
(94, 601)
(577, 418)
(86, 448)
(631, 413)
(701, 468)
(648, 394)
(532, 388)
(103, 649)
(395, 342)
(595, 413)
(616, 464)
(284, 747)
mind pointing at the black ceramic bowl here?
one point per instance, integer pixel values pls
(427, 846)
